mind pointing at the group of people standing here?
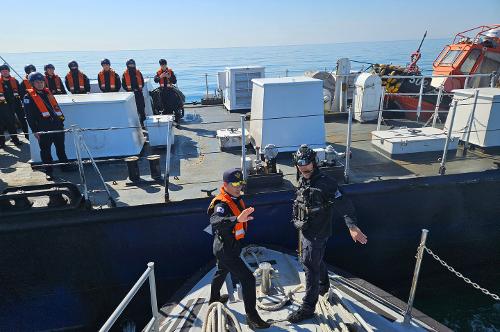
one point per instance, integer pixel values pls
(32, 101)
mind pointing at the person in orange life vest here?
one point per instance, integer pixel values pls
(7, 117)
(12, 92)
(108, 79)
(166, 78)
(229, 217)
(53, 81)
(44, 114)
(76, 81)
(28, 69)
(132, 81)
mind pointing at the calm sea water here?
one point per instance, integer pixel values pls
(455, 304)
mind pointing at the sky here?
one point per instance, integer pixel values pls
(59, 25)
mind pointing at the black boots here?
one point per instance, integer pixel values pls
(222, 299)
(254, 322)
(300, 315)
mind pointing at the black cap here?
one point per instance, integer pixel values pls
(232, 175)
(49, 66)
(35, 76)
(73, 64)
(162, 62)
(4, 67)
(29, 68)
(105, 62)
(130, 62)
(304, 155)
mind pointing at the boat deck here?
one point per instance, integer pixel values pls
(197, 162)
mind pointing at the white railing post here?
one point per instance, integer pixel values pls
(419, 106)
(76, 139)
(436, 109)
(154, 303)
(243, 149)
(348, 147)
(493, 79)
(471, 122)
(381, 108)
(442, 168)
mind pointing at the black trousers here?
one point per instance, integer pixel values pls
(139, 102)
(238, 269)
(170, 100)
(7, 123)
(18, 109)
(313, 251)
(45, 142)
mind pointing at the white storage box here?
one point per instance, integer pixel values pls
(238, 86)
(485, 131)
(367, 95)
(231, 138)
(399, 142)
(99, 110)
(158, 129)
(287, 112)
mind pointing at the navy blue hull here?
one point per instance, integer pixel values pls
(71, 269)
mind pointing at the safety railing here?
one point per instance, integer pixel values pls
(154, 322)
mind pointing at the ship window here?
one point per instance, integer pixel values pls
(470, 61)
(450, 57)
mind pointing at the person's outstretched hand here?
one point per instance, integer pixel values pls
(245, 215)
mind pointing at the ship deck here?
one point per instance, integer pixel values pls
(197, 162)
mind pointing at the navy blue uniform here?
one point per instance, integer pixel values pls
(227, 250)
(51, 80)
(107, 85)
(321, 195)
(139, 97)
(14, 104)
(86, 83)
(38, 123)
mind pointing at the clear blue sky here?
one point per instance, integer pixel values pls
(134, 24)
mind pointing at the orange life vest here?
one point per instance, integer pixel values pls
(13, 85)
(81, 81)
(57, 81)
(27, 83)
(163, 79)
(40, 104)
(112, 79)
(240, 228)
(128, 81)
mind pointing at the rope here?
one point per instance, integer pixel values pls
(218, 318)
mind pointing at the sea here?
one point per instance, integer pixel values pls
(453, 303)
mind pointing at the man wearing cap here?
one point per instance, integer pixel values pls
(108, 79)
(229, 217)
(76, 81)
(12, 92)
(133, 81)
(317, 197)
(44, 114)
(7, 117)
(52, 81)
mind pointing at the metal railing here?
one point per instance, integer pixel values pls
(153, 324)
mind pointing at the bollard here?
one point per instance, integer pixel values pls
(154, 166)
(133, 168)
(265, 284)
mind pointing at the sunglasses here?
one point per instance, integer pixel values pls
(302, 162)
(238, 184)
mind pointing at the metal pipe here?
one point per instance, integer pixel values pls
(286, 73)
(438, 103)
(471, 122)
(493, 79)
(466, 82)
(5, 61)
(348, 147)
(442, 168)
(243, 149)
(432, 76)
(206, 84)
(76, 138)
(167, 162)
(154, 302)
(126, 300)
(420, 256)
(381, 109)
(419, 106)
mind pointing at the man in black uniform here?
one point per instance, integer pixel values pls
(165, 77)
(76, 81)
(108, 79)
(317, 197)
(7, 117)
(13, 91)
(133, 81)
(28, 69)
(53, 81)
(44, 114)
(228, 218)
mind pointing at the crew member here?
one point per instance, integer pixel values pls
(132, 81)
(28, 69)
(108, 79)
(7, 117)
(44, 114)
(12, 92)
(52, 81)
(317, 197)
(76, 81)
(228, 218)
(166, 78)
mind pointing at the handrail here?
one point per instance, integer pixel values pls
(153, 324)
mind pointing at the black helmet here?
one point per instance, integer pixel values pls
(304, 156)
(4, 67)
(29, 68)
(73, 63)
(130, 62)
(162, 62)
(48, 66)
(105, 62)
(35, 76)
